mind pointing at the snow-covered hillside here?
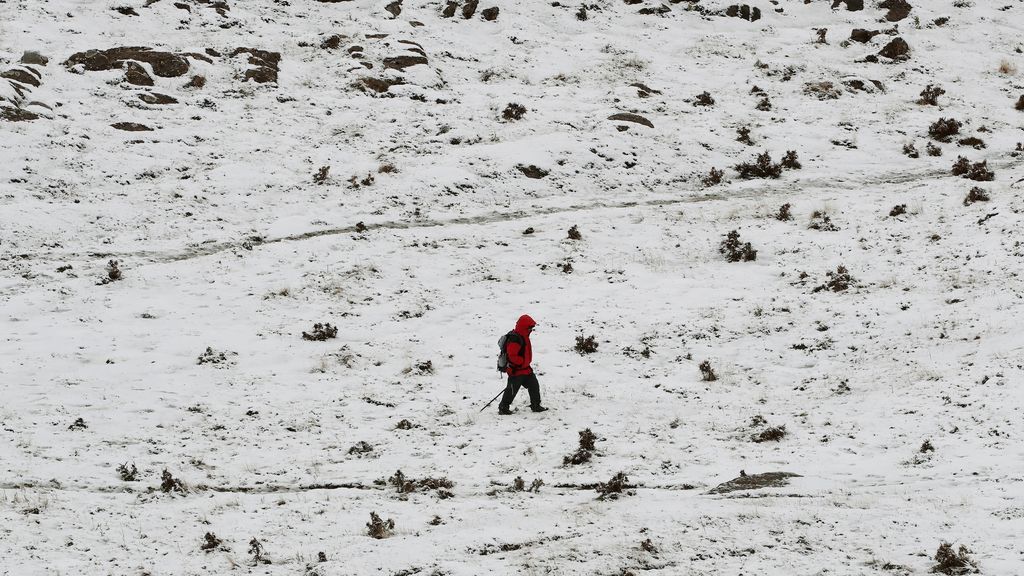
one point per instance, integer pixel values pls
(409, 173)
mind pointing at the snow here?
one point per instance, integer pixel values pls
(225, 241)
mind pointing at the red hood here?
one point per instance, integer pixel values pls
(524, 324)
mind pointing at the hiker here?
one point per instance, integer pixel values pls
(520, 354)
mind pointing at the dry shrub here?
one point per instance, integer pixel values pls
(1007, 67)
(513, 112)
(976, 195)
(196, 82)
(973, 142)
(574, 233)
(169, 483)
(944, 129)
(707, 374)
(977, 171)
(930, 95)
(790, 161)
(948, 561)
(932, 150)
(210, 542)
(743, 135)
(838, 281)
(321, 175)
(321, 332)
(128, 473)
(713, 178)
(761, 167)
(378, 528)
(735, 250)
(587, 439)
(898, 210)
(910, 150)
(613, 487)
(773, 434)
(784, 213)
(360, 447)
(821, 221)
(586, 345)
(926, 446)
(704, 99)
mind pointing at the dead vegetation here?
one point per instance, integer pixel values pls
(954, 562)
(944, 129)
(321, 332)
(379, 529)
(614, 487)
(584, 452)
(976, 195)
(169, 484)
(404, 485)
(585, 345)
(838, 281)
(930, 95)
(977, 171)
(707, 374)
(736, 250)
(128, 473)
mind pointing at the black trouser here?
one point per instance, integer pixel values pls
(514, 383)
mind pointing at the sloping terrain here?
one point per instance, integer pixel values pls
(189, 187)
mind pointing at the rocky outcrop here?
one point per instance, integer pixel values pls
(264, 64)
(164, 64)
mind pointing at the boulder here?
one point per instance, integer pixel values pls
(490, 14)
(635, 118)
(898, 9)
(395, 8)
(33, 57)
(157, 99)
(403, 62)
(136, 74)
(449, 9)
(851, 5)
(863, 36)
(896, 49)
(469, 8)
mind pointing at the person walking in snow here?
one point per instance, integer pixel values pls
(520, 374)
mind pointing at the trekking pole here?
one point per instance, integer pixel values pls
(492, 400)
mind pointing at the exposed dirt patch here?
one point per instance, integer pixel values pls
(157, 99)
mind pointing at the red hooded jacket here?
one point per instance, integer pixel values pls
(519, 357)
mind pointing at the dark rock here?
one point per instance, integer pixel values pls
(898, 9)
(165, 64)
(33, 57)
(863, 36)
(13, 114)
(449, 10)
(183, 6)
(744, 12)
(212, 52)
(22, 75)
(532, 171)
(662, 9)
(126, 10)
(379, 85)
(754, 481)
(136, 74)
(265, 62)
(157, 99)
(469, 8)
(627, 117)
(403, 62)
(851, 5)
(131, 127)
(896, 49)
(395, 8)
(490, 14)
(861, 85)
(333, 42)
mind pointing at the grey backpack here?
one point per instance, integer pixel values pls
(502, 343)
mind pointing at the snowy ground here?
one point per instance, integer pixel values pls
(225, 241)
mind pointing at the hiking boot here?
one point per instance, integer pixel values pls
(538, 409)
(504, 412)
